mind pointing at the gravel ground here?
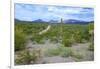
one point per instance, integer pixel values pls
(80, 48)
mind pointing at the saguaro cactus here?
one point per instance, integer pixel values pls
(61, 31)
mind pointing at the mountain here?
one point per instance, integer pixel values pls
(39, 21)
(16, 20)
(21, 21)
(69, 21)
(74, 21)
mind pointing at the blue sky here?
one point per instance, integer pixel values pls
(31, 12)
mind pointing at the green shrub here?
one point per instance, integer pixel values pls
(77, 55)
(54, 39)
(53, 52)
(67, 42)
(38, 39)
(61, 51)
(66, 52)
(20, 40)
(25, 57)
(77, 36)
(91, 46)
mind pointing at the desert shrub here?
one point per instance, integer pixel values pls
(67, 42)
(38, 39)
(53, 52)
(66, 52)
(91, 32)
(54, 39)
(91, 26)
(25, 57)
(20, 40)
(78, 37)
(61, 51)
(85, 34)
(22, 58)
(77, 55)
(91, 46)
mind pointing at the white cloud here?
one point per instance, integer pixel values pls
(47, 13)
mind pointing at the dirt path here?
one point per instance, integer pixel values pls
(45, 30)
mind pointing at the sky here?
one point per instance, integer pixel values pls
(31, 12)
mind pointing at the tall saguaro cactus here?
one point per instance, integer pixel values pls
(61, 31)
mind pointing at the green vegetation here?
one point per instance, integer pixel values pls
(52, 52)
(91, 46)
(66, 52)
(20, 39)
(67, 42)
(71, 33)
(64, 34)
(60, 51)
(91, 33)
(77, 55)
(26, 57)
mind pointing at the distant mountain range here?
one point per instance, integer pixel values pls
(39, 21)
(73, 21)
(69, 21)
